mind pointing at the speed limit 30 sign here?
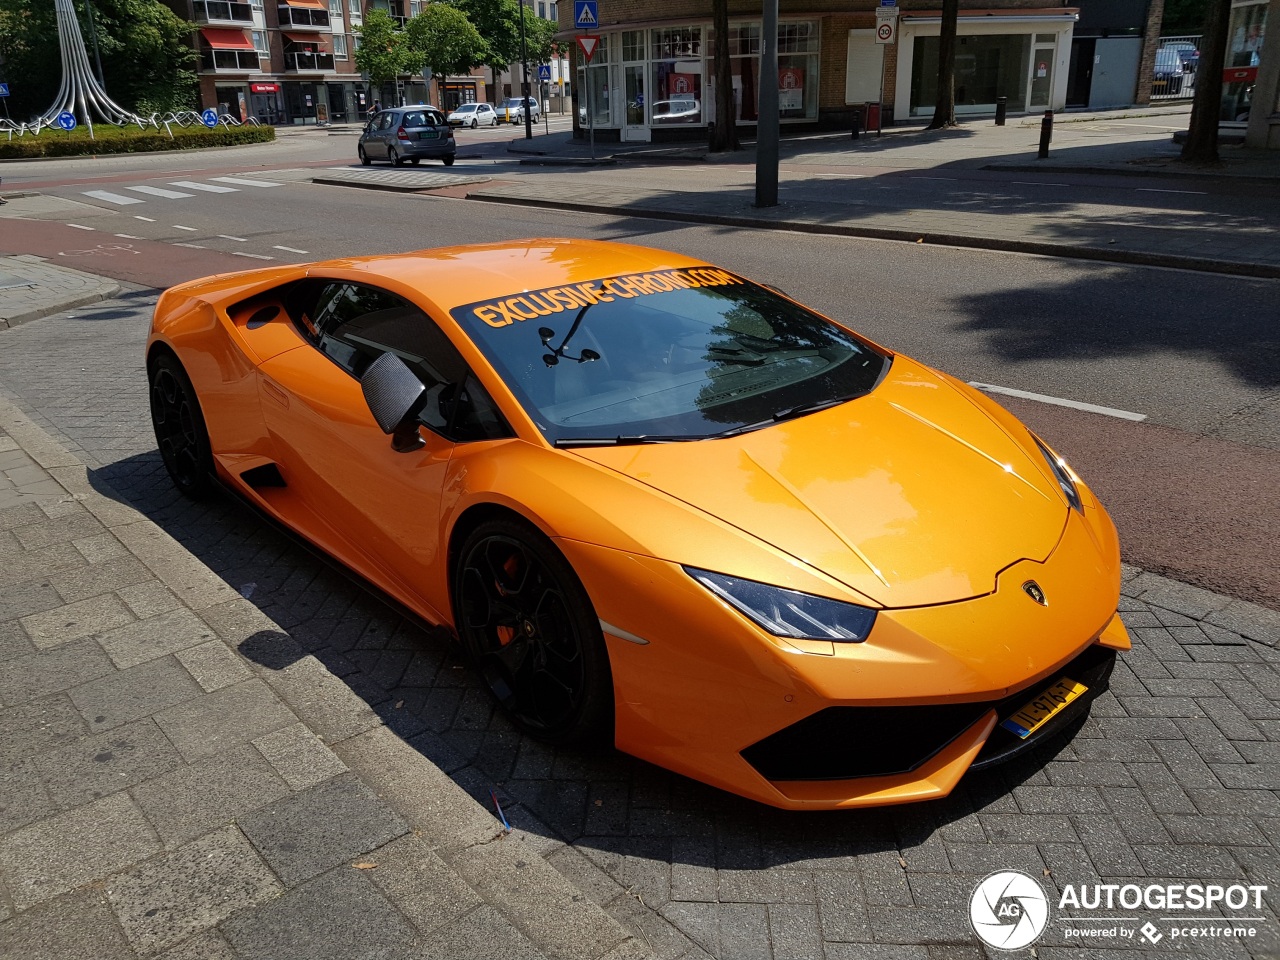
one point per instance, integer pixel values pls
(887, 25)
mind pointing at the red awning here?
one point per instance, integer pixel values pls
(226, 39)
(310, 39)
(310, 4)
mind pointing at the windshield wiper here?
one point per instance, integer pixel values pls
(623, 441)
(789, 413)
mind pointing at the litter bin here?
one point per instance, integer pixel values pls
(871, 117)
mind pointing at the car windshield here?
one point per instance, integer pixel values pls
(669, 355)
(466, 108)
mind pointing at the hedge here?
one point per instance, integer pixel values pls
(112, 139)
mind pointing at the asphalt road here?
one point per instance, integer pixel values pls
(1191, 486)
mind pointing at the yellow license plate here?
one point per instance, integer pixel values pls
(1047, 704)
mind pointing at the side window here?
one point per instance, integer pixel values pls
(353, 325)
(385, 119)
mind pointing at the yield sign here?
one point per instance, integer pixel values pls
(588, 45)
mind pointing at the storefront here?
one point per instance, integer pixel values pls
(1245, 34)
(1019, 55)
(658, 83)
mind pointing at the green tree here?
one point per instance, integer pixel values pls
(723, 134)
(148, 64)
(382, 53)
(498, 22)
(1183, 17)
(444, 41)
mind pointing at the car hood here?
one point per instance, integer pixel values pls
(910, 495)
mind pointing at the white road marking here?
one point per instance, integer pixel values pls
(225, 236)
(932, 178)
(289, 249)
(239, 182)
(127, 236)
(206, 187)
(1038, 183)
(161, 192)
(193, 246)
(1059, 402)
(1198, 193)
(178, 226)
(80, 226)
(111, 197)
(148, 219)
(255, 256)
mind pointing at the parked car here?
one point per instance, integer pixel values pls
(473, 115)
(512, 109)
(1167, 75)
(1187, 51)
(411, 134)
(677, 110)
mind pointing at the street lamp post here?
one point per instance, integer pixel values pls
(524, 86)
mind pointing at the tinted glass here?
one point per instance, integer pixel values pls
(422, 118)
(676, 354)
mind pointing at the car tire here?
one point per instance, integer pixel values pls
(179, 426)
(416, 160)
(474, 123)
(395, 158)
(528, 626)
(364, 157)
(448, 161)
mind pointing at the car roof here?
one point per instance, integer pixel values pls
(454, 276)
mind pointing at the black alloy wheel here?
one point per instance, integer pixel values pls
(528, 626)
(364, 157)
(180, 430)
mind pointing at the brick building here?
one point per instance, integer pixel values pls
(652, 76)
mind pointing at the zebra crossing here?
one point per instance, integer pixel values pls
(188, 188)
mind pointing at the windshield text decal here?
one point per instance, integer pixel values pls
(553, 300)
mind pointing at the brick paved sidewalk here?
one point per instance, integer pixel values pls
(160, 790)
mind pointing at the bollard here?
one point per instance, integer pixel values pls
(1002, 104)
(1046, 134)
(857, 122)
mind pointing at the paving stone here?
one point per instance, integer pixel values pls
(94, 580)
(99, 547)
(146, 640)
(149, 599)
(78, 926)
(299, 756)
(220, 720)
(480, 935)
(42, 533)
(28, 598)
(37, 727)
(37, 675)
(842, 908)
(920, 925)
(76, 620)
(168, 899)
(49, 858)
(1188, 860)
(130, 694)
(213, 665)
(186, 802)
(794, 931)
(325, 703)
(875, 951)
(424, 888)
(208, 945)
(309, 832)
(23, 797)
(1249, 620)
(14, 641)
(100, 765)
(338, 916)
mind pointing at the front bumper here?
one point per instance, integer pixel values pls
(698, 689)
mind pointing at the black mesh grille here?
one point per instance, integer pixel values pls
(843, 743)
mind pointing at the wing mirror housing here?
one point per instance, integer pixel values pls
(395, 397)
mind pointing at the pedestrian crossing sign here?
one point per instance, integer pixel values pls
(585, 14)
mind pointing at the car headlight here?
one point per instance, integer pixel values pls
(789, 613)
(1061, 473)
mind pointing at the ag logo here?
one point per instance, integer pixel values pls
(1008, 910)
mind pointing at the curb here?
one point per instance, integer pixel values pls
(106, 289)
(1136, 257)
(508, 871)
(1221, 176)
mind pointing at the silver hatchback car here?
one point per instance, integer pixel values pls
(407, 134)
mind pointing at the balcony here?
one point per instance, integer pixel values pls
(306, 18)
(308, 62)
(229, 61)
(222, 11)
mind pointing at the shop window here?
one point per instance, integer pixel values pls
(986, 67)
(632, 46)
(798, 43)
(675, 77)
(1046, 38)
(677, 42)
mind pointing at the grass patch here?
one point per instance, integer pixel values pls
(108, 138)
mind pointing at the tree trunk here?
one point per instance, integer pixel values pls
(1201, 145)
(723, 135)
(944, 110)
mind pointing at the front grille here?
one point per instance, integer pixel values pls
(845, 743)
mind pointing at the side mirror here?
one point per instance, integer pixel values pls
(395, 397)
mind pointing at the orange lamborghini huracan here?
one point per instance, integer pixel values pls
(661, 506)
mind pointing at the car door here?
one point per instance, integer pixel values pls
(386, 126)
(383, 508)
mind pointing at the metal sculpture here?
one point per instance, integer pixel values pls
(80, 94)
